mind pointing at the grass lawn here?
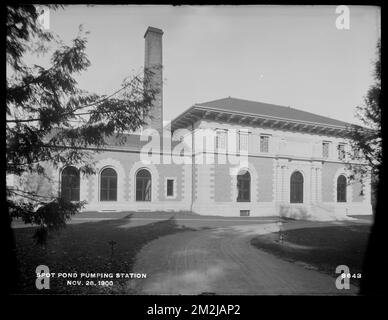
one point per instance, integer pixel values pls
(320, 248)
(85, 247)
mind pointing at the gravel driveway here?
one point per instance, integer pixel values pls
(222, 261)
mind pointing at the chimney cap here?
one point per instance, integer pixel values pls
(152, 29)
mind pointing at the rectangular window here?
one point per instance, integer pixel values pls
(264, 143)
(244, 213)
(170, 187)
(325, 149)
(221, 139)
(356, 153)
(341, 151)
(243, 141)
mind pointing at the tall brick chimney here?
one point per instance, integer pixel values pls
(153, 62)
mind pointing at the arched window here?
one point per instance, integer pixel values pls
(70, 184)
(296, 190)
(341, 188)
(244, 187)
(108, 185)
(143, 185)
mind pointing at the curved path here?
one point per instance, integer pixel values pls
(222, 261)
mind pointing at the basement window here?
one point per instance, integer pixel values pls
(245, 213)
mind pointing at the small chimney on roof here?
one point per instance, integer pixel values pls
(153, 62)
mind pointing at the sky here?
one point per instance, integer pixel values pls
(287, 55)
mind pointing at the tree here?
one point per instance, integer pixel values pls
(366, 140)
(51, 120)
(369, 141)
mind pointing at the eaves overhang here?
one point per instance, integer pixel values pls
(198, 112)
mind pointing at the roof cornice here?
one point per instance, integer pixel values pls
(199, 107)
(189, 116)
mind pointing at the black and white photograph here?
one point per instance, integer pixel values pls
(193, 150)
